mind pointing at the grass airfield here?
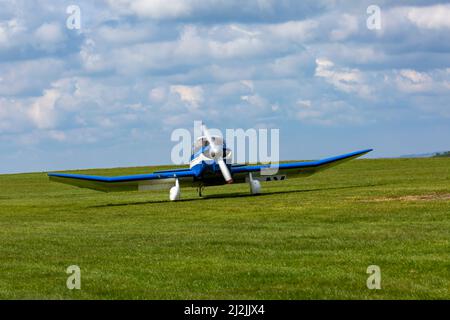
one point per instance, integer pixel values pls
(309, 238)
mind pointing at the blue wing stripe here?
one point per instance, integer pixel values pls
(151, 176)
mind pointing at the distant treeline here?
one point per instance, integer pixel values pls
(442, 154)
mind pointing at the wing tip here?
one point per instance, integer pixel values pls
(364, 151)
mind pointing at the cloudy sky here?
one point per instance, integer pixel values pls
(110, 93)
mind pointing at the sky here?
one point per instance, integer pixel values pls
(110, 92)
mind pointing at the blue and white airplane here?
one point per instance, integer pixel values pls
(208, 167)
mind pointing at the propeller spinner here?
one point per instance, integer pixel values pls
(216, 152)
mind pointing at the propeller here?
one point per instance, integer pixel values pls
(216, 152)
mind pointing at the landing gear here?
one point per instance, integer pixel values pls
(255, 185)
(175, 192)
(200, 190)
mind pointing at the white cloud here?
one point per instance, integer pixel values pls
(91, 60)
(292, 64)
(249, 84)
(124, 34)
(198, 46)
(307, 113)
(255, 100)
(352, 53)
(191, 43)
(178, 9)
(414, 76)
(296, 31)
(48, 34)
(344, 79)
(9, 32)
(155, 9)
(12, 115)
(29, 76)
(43, 110)
(347, 26)
(157, 95)
(3, 36)
(233, 89)
(245, 31)
(304, 103)
(62, 97)
(327, 113)
(412, 81)
(431, 17)
(243, 47)
(192, 95)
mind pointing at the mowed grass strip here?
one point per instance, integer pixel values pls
(307, 238)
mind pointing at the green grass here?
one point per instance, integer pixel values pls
(307, 238)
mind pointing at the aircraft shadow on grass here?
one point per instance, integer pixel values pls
(231, 195)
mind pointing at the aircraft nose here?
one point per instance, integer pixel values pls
(215, 151)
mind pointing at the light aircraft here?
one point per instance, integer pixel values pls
(208, 167)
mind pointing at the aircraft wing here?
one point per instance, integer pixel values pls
(140, 182)
(293, 169)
